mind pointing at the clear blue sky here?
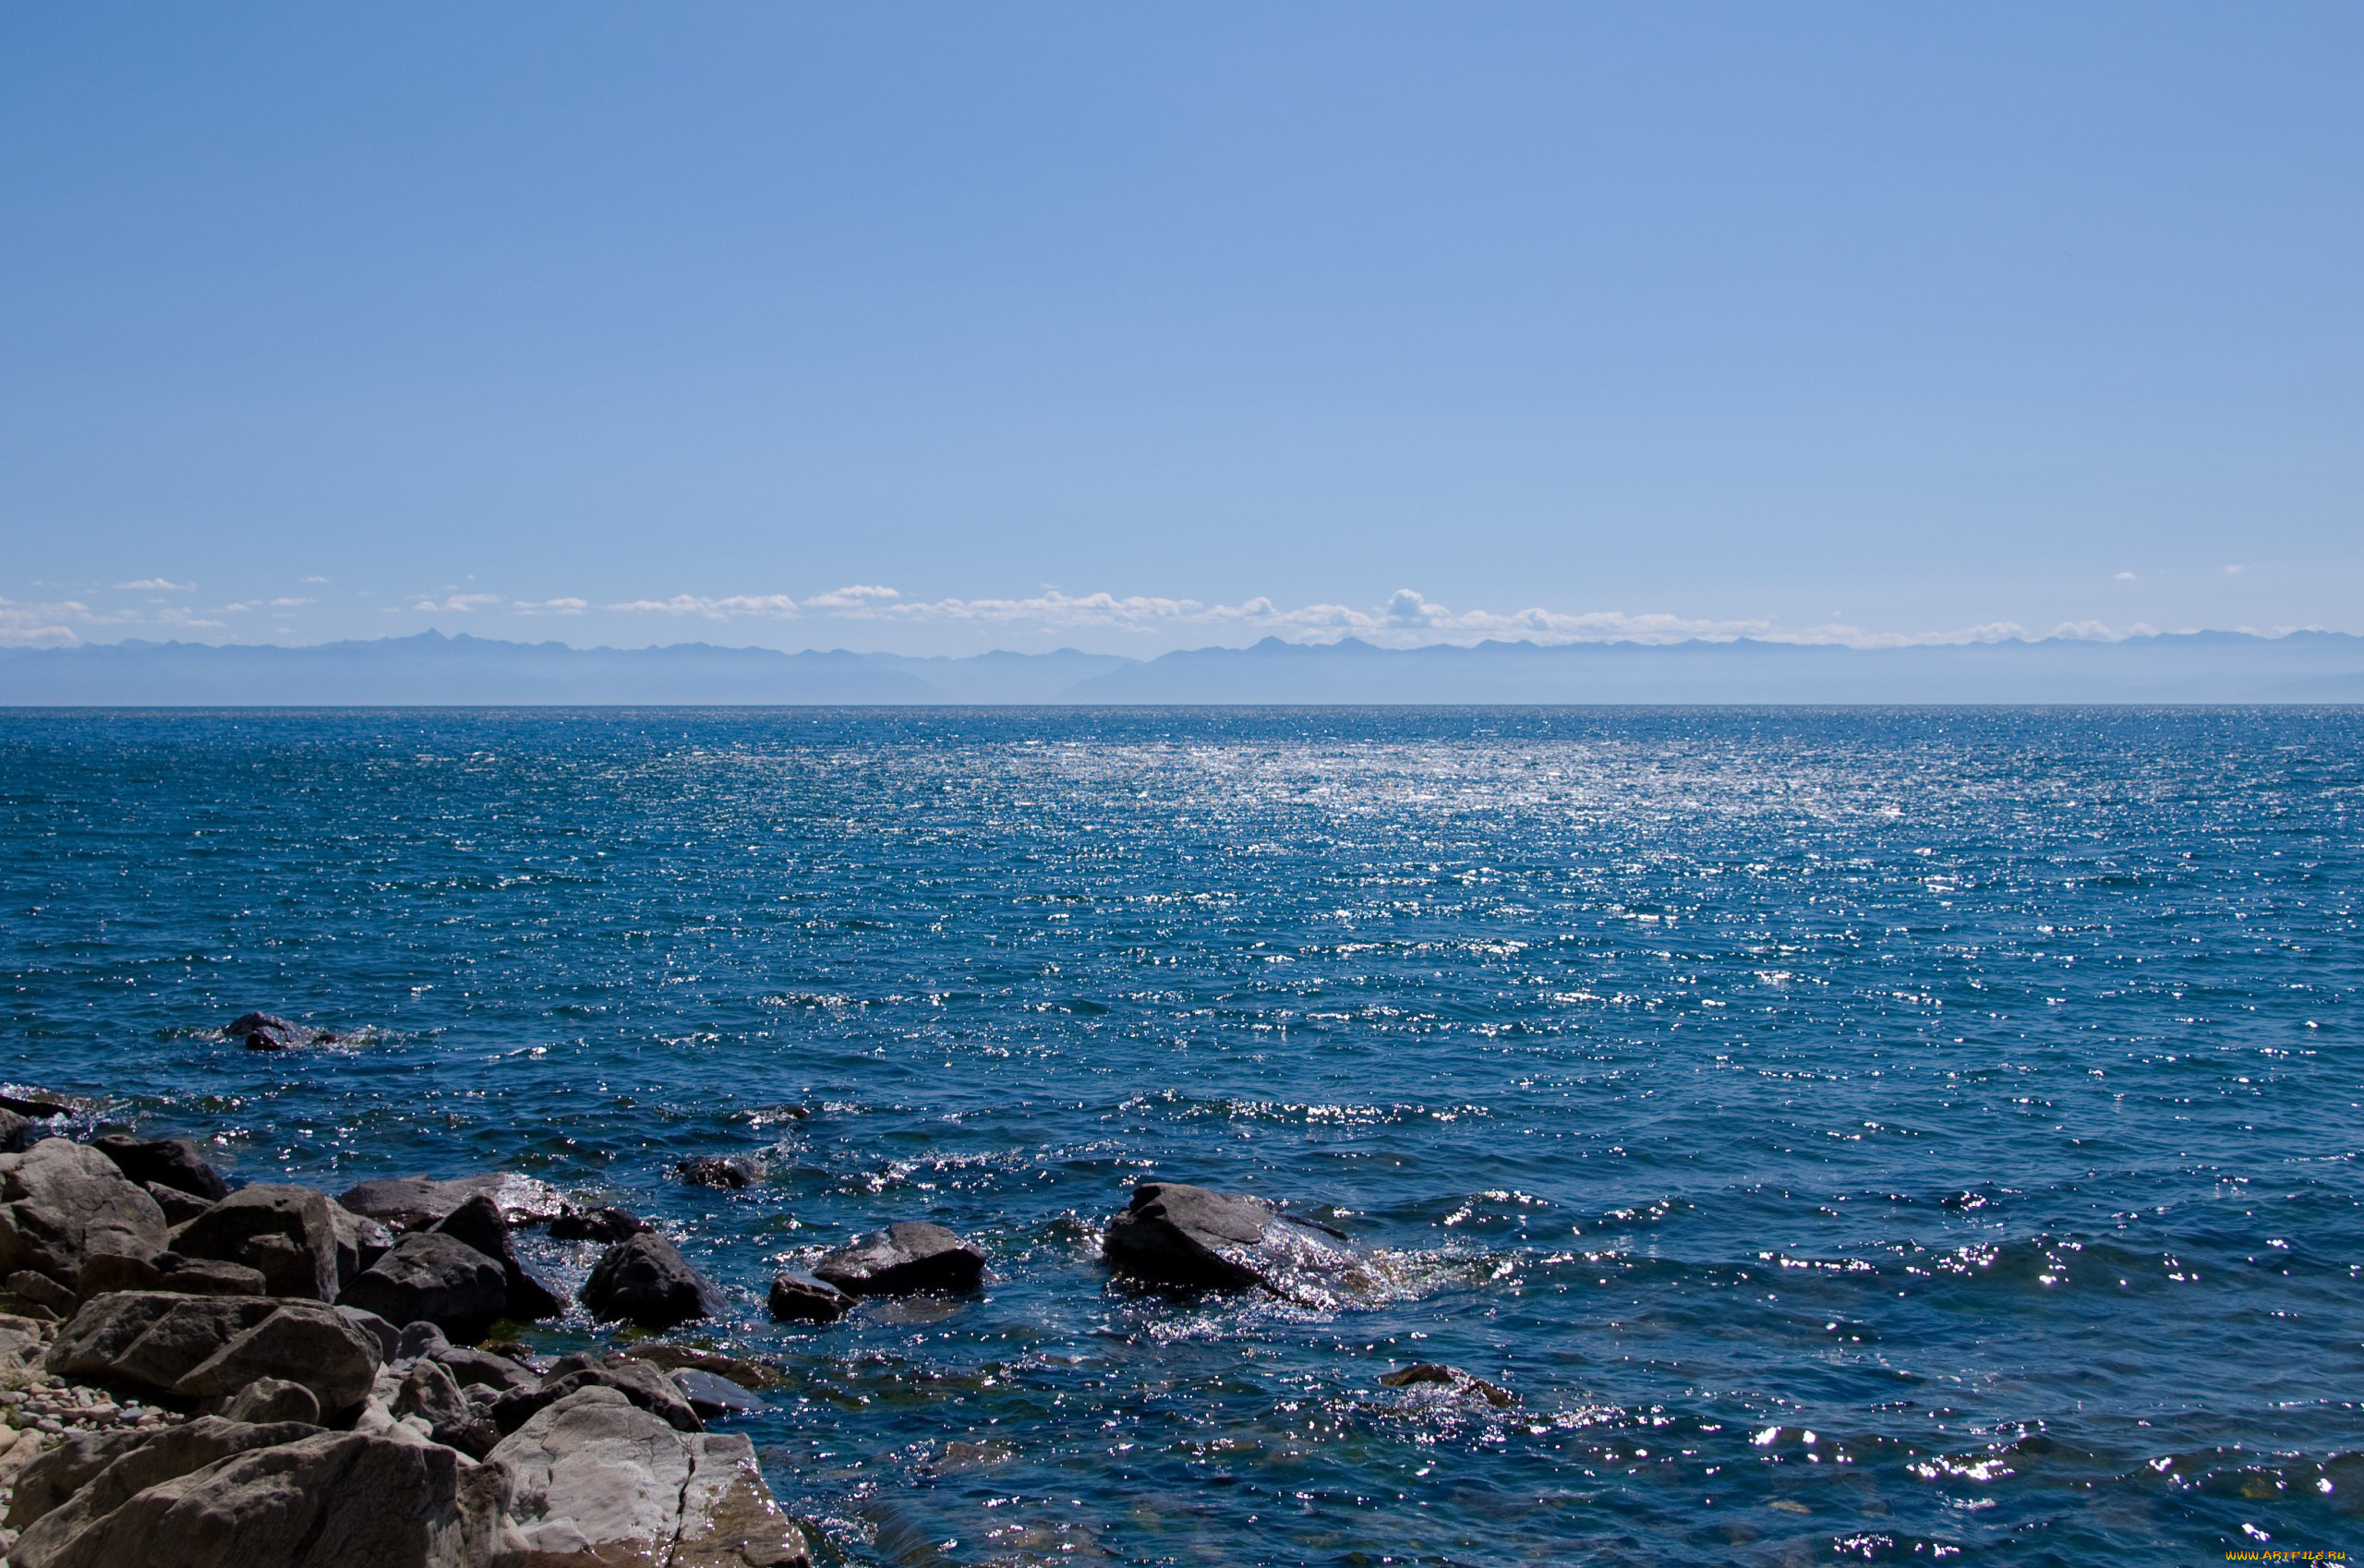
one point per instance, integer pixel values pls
(1905, 319)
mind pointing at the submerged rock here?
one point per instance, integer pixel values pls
(714, 1396)
(902, 1259)
(164, 1162)
(717, 1170)
(415, 1202)
(63, 1203)
(1451, 1380)
(1192, 1237)
(432, 1278)
(645, 1281)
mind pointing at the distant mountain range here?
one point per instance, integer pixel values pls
(434, 669)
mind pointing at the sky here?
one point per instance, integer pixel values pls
(935, 328)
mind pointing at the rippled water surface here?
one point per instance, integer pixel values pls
(1851, 1135)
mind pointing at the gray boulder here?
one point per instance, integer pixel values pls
(211, 1346)
(645, 1385)
(360, 1242)
(286, 1232)
(164, 1162)
(91, 1474)
(1190, 1236)
(434, 1279)
(428, 1391)
(596, 1481)
(645, 1281)
(482, 1369)
(903, 1259)
(331, 1499)
(478, 1223)
(168, 1271)
(179, 1207)
(267, 1400)
(63, 1203)
(415, 1202)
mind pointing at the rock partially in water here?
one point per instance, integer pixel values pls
(597, 1480)
(285, 1232)
(268, 1031)
(645, 1281)
(717, 1170)
(800, 1299)
(715, 1397)
(1451, 1382)
(1191, 1237)
(433, 1278)
(478, 1224)
(63, 1203)
(202, 1346)
(904, 1259)
(415, 1202)
(675, 1357)
(164, 1162)
(607, 1226)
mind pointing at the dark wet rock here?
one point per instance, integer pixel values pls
(63, 1203)
(1191, 1237)
(642, 1383)
(608, 1226)
(643, 1280)
(164, 1162)
(286, 1232)
(800, 1299)
(1451, 1380)
(675, 1357)
(268, 1031)
(34, 1108)
(597, 1480)
(360, 1242)
(374, 1329)
(912, 1256)
(35, 1289)
(478, 1224)
(179, 1207)
(205, 1347)
(331, 1499)
(482, 1369)
(91, 1474)
(715, 1397)
(267, 1400)
(408, 1203)
(431, 1392)
(716, 1170)
(435, 1278)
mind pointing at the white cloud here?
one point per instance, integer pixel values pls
(290, 603)
(460, 603)
(155, 585)
(36, 625)
(773, 607)
(851, 597)
(2233, 571)
(2123, 577)
(549, 607)
(316, 579)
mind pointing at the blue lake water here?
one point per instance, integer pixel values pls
(1851, 1135)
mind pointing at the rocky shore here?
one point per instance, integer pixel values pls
(268, 1376)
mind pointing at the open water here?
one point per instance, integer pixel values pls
(1898, 1135)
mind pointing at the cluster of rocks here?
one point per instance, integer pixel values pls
(272, 1377)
